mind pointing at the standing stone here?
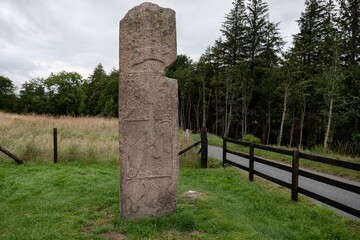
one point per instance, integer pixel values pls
(148, 113)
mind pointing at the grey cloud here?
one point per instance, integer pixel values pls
(67, 34)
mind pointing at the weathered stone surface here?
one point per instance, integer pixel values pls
(148, 113)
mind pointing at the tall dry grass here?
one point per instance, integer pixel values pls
(82, 138)
(30, 137)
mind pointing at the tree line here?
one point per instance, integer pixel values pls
(64, 93)
(245, 83)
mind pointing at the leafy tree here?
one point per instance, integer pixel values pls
(7, 95)
(64, 91)
(109, 108)
(33, 98)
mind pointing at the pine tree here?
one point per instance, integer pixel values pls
(183, 70)
(331, 67)
(97, 83)
(330, 36)
(307, 43)
(308, 56)
(272, 47)
(234, 30)
(263, 55)
(257, 20)
(349, 25)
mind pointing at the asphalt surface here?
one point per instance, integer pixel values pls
(343, 196)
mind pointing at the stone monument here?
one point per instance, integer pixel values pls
(148, 113)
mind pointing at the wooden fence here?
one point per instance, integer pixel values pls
(295, 172)
(203, 149)
(18, 160)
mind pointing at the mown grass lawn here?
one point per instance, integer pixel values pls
(78, 200)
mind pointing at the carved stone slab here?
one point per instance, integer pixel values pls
(148, 113)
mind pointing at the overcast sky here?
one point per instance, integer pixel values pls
(38, 37)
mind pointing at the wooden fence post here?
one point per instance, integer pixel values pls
(55, 145)
(204, 148)
(295, 175)
(224, 152)
(251, 162)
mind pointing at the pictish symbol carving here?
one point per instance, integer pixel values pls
(138, 193)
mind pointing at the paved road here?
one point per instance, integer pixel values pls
(334, 193)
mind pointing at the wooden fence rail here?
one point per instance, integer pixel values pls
(203, 150)
(11, 155)
(189, 148)
(295, 172)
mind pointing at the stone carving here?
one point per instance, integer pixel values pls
(148, 113)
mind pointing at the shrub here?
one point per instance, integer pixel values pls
(356, 137)
(31, 152)
(250, 139)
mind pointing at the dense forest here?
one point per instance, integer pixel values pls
(245, 83)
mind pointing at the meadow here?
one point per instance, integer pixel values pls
(81, 139)
(78, 197)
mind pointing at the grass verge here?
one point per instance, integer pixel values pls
(75, 200)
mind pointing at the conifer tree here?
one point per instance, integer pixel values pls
(234, 30)
(307, 43)
(307, 54)
(257, 20)
(349, 26)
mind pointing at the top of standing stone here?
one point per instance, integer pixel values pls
(147, 39)
(145, 8)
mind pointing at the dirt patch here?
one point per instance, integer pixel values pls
(108, 217)
(192, 195)
(113, 236)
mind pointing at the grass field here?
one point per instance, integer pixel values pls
(78, 198)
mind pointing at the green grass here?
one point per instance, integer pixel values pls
(347, 173)
(78, 200)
